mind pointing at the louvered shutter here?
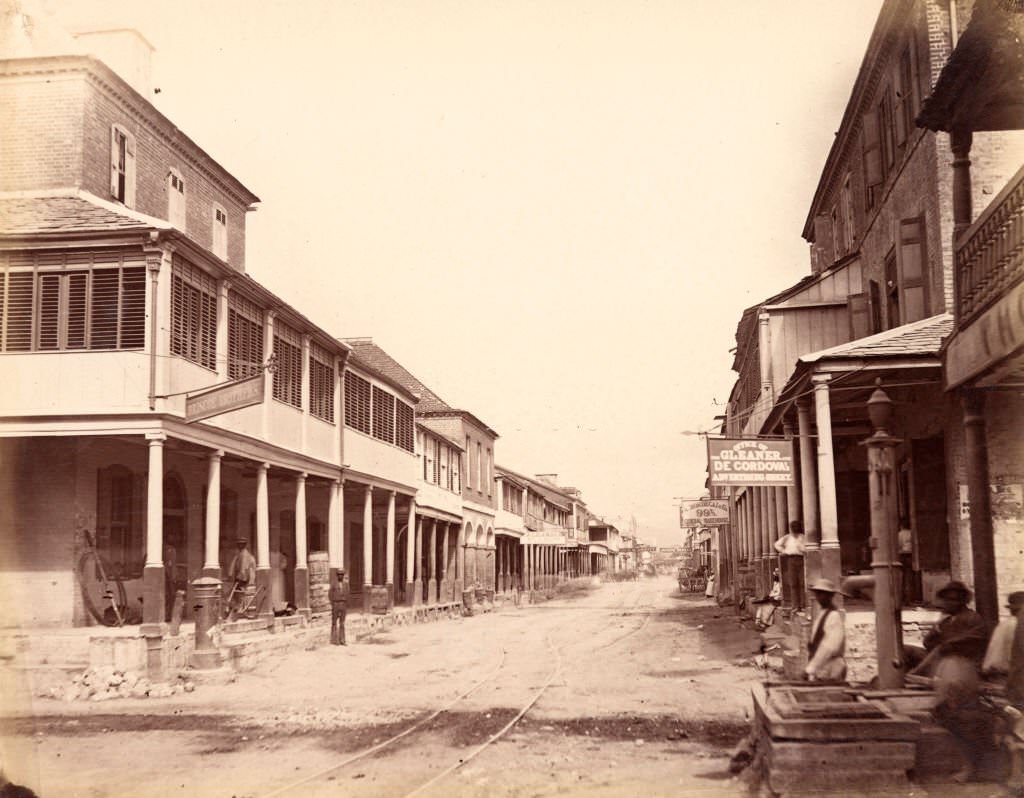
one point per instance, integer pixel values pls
(133, 309)
(49, 312)
(20, 301)
(103, 309)
(77, 314)
(872, 149)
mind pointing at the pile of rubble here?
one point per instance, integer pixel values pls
(105, 683)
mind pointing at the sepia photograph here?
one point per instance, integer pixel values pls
(511, 398)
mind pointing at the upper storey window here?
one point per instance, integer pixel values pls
(122, 166)
(176, 199)
(220, 232)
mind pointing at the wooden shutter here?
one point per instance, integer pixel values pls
(133, 309)
(49, 312)
(77, 312)
(103, 308)
(859, 310)
(872, 150)
(875, 306)
(129, 171)
(823, 240)
(115, 163)
(20, 301)
(912, 270)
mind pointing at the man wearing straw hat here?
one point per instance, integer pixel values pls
(827, 644)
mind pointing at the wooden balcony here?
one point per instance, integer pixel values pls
(990, 254)
(986, 346)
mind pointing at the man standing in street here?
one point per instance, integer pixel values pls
(338, 596)
(242, 572)
(825, 649)
(791, 549)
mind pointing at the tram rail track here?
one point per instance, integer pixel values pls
(424, 723)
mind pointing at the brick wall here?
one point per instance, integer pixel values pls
(40, 147)
(56, 134)
(37, 531)
(155, 156)
(1003, 413)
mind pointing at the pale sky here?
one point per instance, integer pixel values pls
(553, 213)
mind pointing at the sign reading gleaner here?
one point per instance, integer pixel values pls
(738, 462)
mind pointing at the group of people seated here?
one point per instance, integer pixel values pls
(955, 656)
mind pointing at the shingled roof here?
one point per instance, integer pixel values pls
(71, 212)
(367, 354)
(919, 338)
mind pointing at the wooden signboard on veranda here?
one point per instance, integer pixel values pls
(735, 462)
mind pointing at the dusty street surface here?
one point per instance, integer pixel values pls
(637, 691)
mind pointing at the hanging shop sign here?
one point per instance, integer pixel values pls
(224, 399)
(695, 513)
(735, 462)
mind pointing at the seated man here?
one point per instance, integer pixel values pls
(960, 633)
(766, 606)
(827, 646)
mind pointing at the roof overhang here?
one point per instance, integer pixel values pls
(981, 87)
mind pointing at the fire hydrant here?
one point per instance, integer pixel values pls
(206, 611)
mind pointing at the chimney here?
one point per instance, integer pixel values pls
(125, 51)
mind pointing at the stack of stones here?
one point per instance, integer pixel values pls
(105, 683)
(319, 574)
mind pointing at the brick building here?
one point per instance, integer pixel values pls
(877, 305)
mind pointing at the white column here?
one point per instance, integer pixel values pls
(300, 521)
(335, 524)
(211, 559)
(389, 563)
(368, 536)
(826, 464)
(304, 394)
(262, 517)
(808, 475)
(223, 288)
(155, 501)
(410, 544)
(268, 378)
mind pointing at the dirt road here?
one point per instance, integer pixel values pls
(624, 689)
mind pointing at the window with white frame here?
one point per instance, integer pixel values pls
(220, 231)
(66, 300)
(479, 467)
(287, 365)
(176, 199)
(122, 166)
(490, 472)
(321, 382)
(245, 337)
(193, 314)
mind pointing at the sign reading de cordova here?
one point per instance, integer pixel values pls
(738, 462)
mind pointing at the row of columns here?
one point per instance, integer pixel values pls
(763, 514)
(153, 574)
(429, 581)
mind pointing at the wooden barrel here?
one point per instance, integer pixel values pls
(319, 576)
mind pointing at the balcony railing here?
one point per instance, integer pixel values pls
(990, 254)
